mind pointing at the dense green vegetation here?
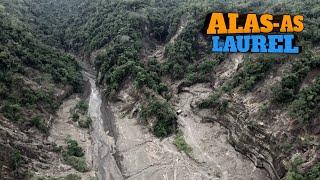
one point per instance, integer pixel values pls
(251, 73)
(306, 106)
(123, 34)
(25, 65)
(165, 116)
(31, 74)
(289, 87)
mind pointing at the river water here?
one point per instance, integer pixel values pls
(103, 144)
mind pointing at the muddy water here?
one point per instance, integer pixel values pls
(103, 161)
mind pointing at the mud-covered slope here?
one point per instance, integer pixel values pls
(34, 79)
(164, 106)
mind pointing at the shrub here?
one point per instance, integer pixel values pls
(74, 156)
(207, 66)
(39, 123)
(75, 116)
(251, 73)
(314, 173)
(12, 111)
(165, 115)
(16, 159)
(210, 102)
(71, 177)
(82, 106)
(282, 95)
(304, 108)
(288, 88)
(85, 123)
(73, 149)
(294, 176)
(191, 77)
(222, 108)
(78, 163)
(214, 101)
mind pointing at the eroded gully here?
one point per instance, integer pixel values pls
(103, 143)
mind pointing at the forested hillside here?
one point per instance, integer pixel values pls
(152, 51)
(34, 78)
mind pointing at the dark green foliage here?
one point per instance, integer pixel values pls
(78, 163)
(183, 52)
(202, 72)
(82, 106)
(116, 68)
(85, 123)
(71, 177)
(16, 159)
(294, 176)
(24, 60)
(39, 123)
(12, 111)
(251, 74)
(207, 66)
(306, 106)
(166, 117)
(288, 88)
(75, 116)
(214, 101)
(31, 98)
(211, 102)
(74, 156)
(73, 149)
(311, 174)
(314, 173)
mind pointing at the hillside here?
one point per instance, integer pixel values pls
(161, 104)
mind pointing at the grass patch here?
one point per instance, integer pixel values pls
(71, 177)
(181, 144)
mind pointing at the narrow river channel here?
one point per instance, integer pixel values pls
(103, 144)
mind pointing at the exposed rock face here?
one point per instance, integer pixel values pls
(209, 141)
(251, 141)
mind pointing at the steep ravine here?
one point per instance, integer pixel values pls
(125, 149)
